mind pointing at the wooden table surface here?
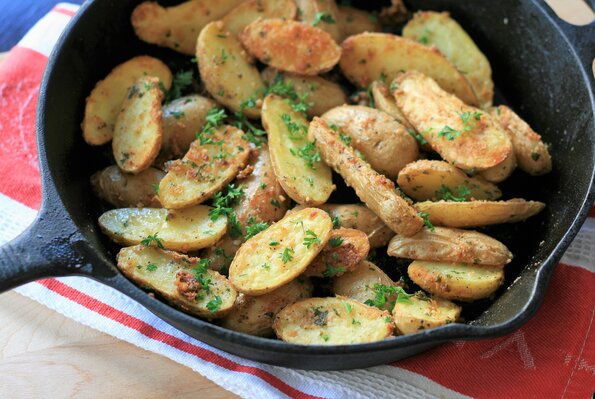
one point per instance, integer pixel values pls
(44, 354)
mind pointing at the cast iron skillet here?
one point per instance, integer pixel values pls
(541, 68)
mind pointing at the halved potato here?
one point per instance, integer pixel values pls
(440, 30)
(249, 11)
(180, 230)
(182, 119)
(384, 101)
(139, 126)
(368, 56)
(332, 321)
(105, 101)
(125, 190)
(205, 169)
(531, 153)
(374, 189)
(254, 315)
(353, 21)
(177, 27)
(297, 166)
(458, 281)
(479, 213)
(359, 283)
(502, 171)
(444, 244)
(321, 93)
(383, 141)
(345, 250)
(423, 312)
(280, 253)
(462, 135)
(422, 180)
(291, 46)
(323, 14)
(172, 276)
(227, 70)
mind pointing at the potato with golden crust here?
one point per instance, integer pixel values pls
(443, 244)
(423, 312)
(227, 70)
(456, 281)
(353, 21)
(502, 171)
(173, 277)
(291, 46)
(103, 105)
(254, 315)
(531, 152)
(384, 101)
(464, 136)
(139, 126)
(332, 321)
(383, 141)
(250, 10)
(369, 56)
(177, 27)
(125, 190)
(280, 253)
(212, 161)
(322, 14)
(440, 30)
(345, 250)
(322, 94)
(479, 213)
(360, 217)
(425, 180)
(374, 189)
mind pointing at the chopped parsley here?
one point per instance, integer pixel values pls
(253, 228)
(182, 80)
(297, 131)
(151, 267)
(214, 304)
(200, 274)
(177, 114)
(468, 119)
(323, 17)
(150, 239)
(274, 243)
(156, 188)
(331, 271)
(393, 86)
(336, 222)
(348, 307)
(222, 206)
(287, 255)
(320, 316)
(383, 294)
(417, 136)
(447, 195)
(426, 217)
(308, 153)
(275, 202)
(336, 242)
(311, 238)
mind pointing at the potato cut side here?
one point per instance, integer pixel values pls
(103, 105)
(368, 56)
(383, 141)
(332, 321)
(464, 136)
(280, 253)
(179, 230)
(321, 93)
(502, 171)
(433, 180)
(177, 27)
(353, 21)
(249, 11)
(374, 189)
(423, 312)
(139, 126)
(457, 281)
(384, 101)
(254, 315)
(182, 119)
(531, 152)
(444, 244)
(479, 213)
(296, 160)
(125, 190)
(359, 283)
(205, 169)
(440, 30)
(323, 14)
(346, 249)
(291, 46)
(227, 70)
(173, 277)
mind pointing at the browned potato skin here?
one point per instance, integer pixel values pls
(124, 190)
(479, 213)
(353, 21)
(347, 255)
(291, 46)
(502, 171)
(382, 140)
(384, 101)
(309, 9)
(248, 11)
(451, 245)
(531, 153)
(423, 312)
(256, 203)
(254, 315)
(430, 109)
(375, 190)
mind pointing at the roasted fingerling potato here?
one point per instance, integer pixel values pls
(385, 102)
(345, 250)
(423, 312)
(249, 11)
(124, 190)
(323, 14)
(353, 21)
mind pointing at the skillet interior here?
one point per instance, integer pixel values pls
(539, 78)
